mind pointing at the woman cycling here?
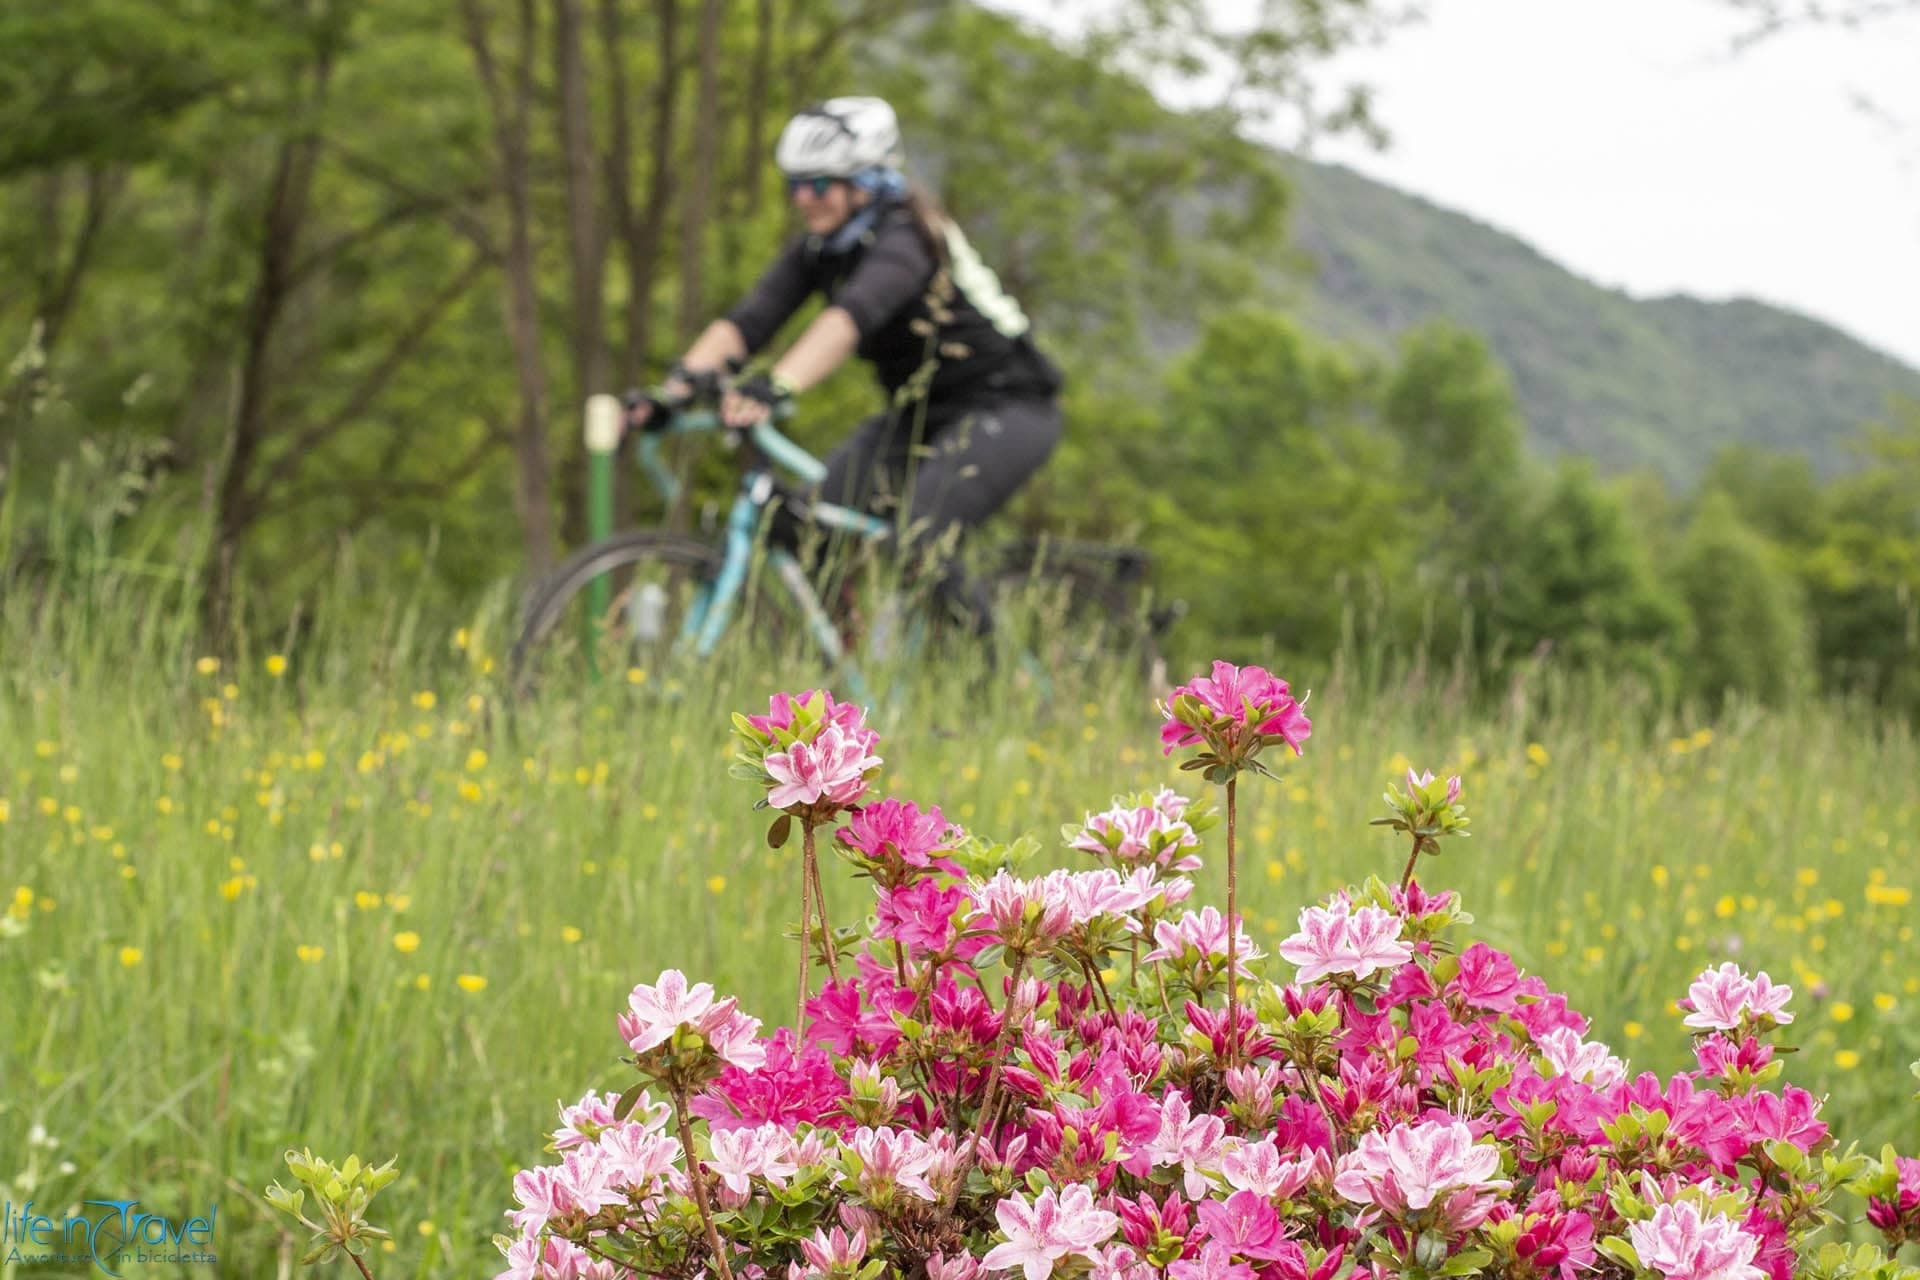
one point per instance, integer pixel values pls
(973, 407)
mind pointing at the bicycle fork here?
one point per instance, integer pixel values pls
(825, 634)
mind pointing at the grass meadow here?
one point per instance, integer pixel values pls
(335, 896)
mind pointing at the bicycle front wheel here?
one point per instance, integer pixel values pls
(655, 590)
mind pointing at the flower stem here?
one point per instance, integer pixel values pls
(820, 902)
(361, 1263)
(696, 1176)
(1406, 878)
(984, 1119)
(1233, 933)
(806, 920)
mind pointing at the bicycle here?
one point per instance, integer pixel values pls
(1094, 589)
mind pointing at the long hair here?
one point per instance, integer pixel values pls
(930, 218)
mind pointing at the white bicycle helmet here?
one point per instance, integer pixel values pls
(839, 138)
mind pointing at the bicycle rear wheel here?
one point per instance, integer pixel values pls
(656, 582)
(1068, 617)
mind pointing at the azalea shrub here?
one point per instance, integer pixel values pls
(1085, 1073)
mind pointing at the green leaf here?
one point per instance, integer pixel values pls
(627, 1101)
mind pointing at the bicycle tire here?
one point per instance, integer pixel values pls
(554, 595)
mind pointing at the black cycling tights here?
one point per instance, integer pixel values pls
(952, 465)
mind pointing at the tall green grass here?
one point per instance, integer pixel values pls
(360, 903)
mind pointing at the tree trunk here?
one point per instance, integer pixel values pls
(641, 231)
(533, 499)
(587, 247)
(753, 180)
(700, 169)
(286, 211)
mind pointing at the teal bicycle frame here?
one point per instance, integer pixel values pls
(713, 605)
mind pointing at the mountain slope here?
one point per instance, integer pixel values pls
(1661, 382)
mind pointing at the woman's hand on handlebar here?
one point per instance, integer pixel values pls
(752, 401)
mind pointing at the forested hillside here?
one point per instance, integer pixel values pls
(1661, 382)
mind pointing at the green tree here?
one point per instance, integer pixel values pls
(1749, 629)
(1576, 585)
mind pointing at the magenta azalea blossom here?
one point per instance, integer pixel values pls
(897, 829)
(1253, 697)
(1681, 1243)
(848, 716)
(833, 767)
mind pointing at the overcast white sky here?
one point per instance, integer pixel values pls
(1625, 139)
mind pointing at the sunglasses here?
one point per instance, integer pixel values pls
(819, 184)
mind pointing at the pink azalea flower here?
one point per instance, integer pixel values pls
(1246, 1223)
(1487, 979)
(1215, 1262)
(1576, 1059)
(1041, 1232)
(786, 1088)
(1142, 834)
(1018, 911)
(832, 1254)
(1257, 1167)
(659, 1010)
(893, 1158)
(1337, 940)
(833, 767)
(1201, 935)
(1682, 1244)
(636, 1159)
(741, 1155)
(1413, 1165)
(1191, 1142)
(1229, 693)
(849, 717)
(1792, 1115)
(1718, 998)
(962, 1266)
(920, 915)
(898, 830)
(586, 1119)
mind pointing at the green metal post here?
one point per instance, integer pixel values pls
(603, 438)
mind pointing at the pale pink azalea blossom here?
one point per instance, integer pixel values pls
(833, 767)
(1719, 997)
(1257, 1167)
(1589, 1062)
(1415, 1164)
(1193, 1143)
(586, 1119)
(961, 1266)
(893, 1158)
(1341, 940)
(827, 1254)
(1051, 1226)
(1002, 904)
(636, 1158)
(1203, 932)
(657, 1011)
(1140, 834)
(741, 1155)
(1683, 1244)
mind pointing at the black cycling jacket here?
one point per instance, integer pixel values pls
(909, 308)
